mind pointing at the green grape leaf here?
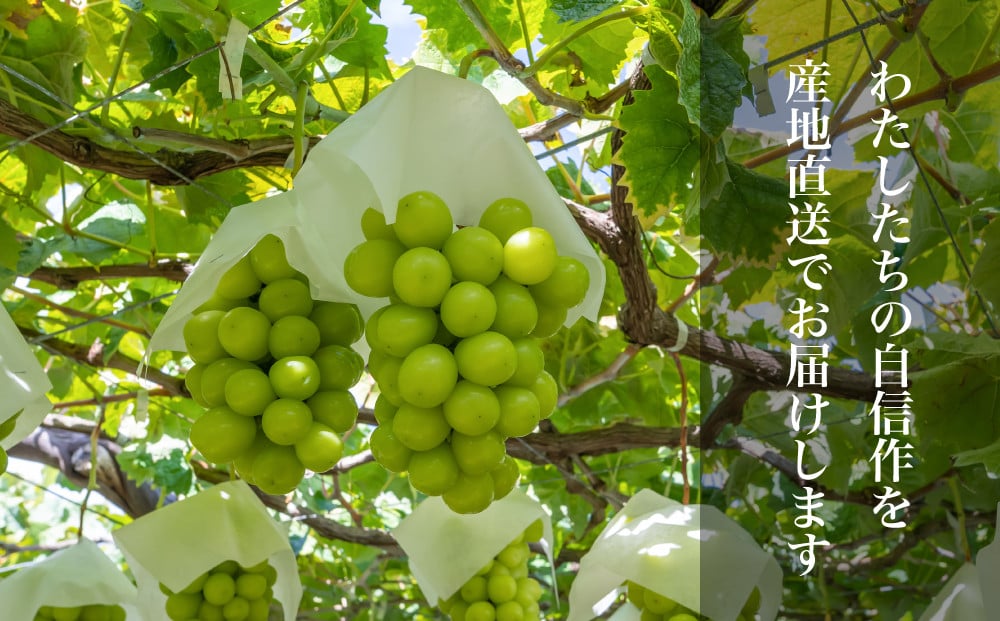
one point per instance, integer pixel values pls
(366, 48)
(502, 15)
(164, 53)
(253, 12)
(660, 148)
(988, 456)
(956, 406)
(748, 219)
(594, 58)
(10, 248)
(984, 273)
(712, 70)
(580, 10)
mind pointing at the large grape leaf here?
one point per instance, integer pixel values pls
(984, 273)
(660, 148)
(580, 10)
(712, 69)
(502, 15)
(597, 55)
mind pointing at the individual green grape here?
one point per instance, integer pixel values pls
(267, 258)
(239, 281)
(340, 367)
(214, 377)
(423, 219)
(277, 470)
(474, 590)
(510, 611)
(529, 256)
(550, 320)
(293, 335)
(474, 254)
(514, 554)
(530, 362)
(384, 411)
(535, 531)
(403, 328)
(295, 377)
(468, 309)
(286, 421)
(420, 429)
(336, 409)
(519, 411)
(501, 588)
(567, 285)
(477, 454)
(284, 298)
(421, 277)
(219, 589)
(505, 477)
(481, 611)
(243, 333)
(320, 448)
(427, 376)
(236, 609)
(373, 225)
(183, 606)
(433, 472)
(488, 359)
(470, 494)
(471, 408)
(210, 612)
(249, 391)
(221, 434)
(368, 267)
(517, 314)
(338, 323)
(201, 337)
(506, 216)
(547, 392)
(389, 451)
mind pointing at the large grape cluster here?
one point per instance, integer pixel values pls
(273, 367)
(502, 590)
(656, 607)
(456, 353)
(228, 592)
(91, 612)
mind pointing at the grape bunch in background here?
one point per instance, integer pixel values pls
(228, 592)
(455, 353)
(273, 367)
(656, 607)
(92, 612)
(502, 590)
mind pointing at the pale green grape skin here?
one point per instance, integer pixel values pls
(320, 448)
(505, 477)
(547, 392)
(182, 606)
(285, 297)
(478, 454)
(192, 382)
(550, 320)
(403, 328)
(519, 411)
(514, 555)
(217, 302)
(510, 611)
(506, 216)
(210, 612)
(221, 434)
(470, 494)
(336, 409)
(215, 376)
(236, 609)
(530, 362)
(517, 314)
(428, 376)
(219, 589)
(501, 588)
(96, 612)
(423, 219)
(635, 593)
(488, 359)
(474, 590)
(420, 429)
(373, 225)
(384, 411)
(468, 309)
(293, 335)
(529, 256)
(683, 617)
(421, 277)
(368, 267)
(295, 377)
(371, 330)
(196, 585)
(268, 260)
(243, 333)
(339, 367)
(481, 611)
(260, 609)
(249, 391)
(433, 472)
(277, 470)
(458, 610)
(388, 380)
(474, 254)
(239, 281)
(567, 285)
(338, 323)
(201, 337)
(285, 422)
(471, 409)
(388, 450)
(529, 587)
(251, 586)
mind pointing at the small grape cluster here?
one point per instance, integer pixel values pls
(656, 607)
(228, 592)
(502, 590)
(456, 351)
(91, 612)
(6, 428)
(273, 367)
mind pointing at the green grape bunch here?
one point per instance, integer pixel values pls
(656, 607)
(456, 351)
(91, 612)
(227, 592)
(502, 590)
(273, 367)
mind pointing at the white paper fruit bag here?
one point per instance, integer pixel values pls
(23, 385)
(971, 594)
(177, 544)
(77, 576)
(445, 548)
(666, 547)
